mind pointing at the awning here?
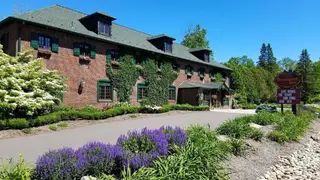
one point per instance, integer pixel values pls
(214, 85)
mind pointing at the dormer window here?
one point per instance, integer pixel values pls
(168, 47)
(201, 53)
(104, 28)
(162, 42)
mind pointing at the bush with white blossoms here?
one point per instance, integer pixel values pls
(26, 87)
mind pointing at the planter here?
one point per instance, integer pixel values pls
(213, 78)
(84, 60)
(44, 51)
(201, 76)
(117, 63)
(189, 74)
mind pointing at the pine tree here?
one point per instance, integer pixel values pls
(263, 56)
(304, 69)
(272, 65)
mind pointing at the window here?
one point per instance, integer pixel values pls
(206, 96)
(206, 57)
(105, 90)
(114, 54)
(4, 41)
(176, 67)
(84, 49)
(172, 93)
(104, 28)
(44, 42)
(142, 92)
(168, 47)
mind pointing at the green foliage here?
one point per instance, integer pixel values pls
(26, 89)
(247, 106)
(27, 130)
(305, 70)
(196, 38)
(237, 128)
(89, 108)
(17, 123)
(158, 84)
(53, 127)
(256, 135)
(278, 137)
(237, 147)
(106, 177)
(287, 64)
(316, 83)
(266, 118)
(121, 104)
(291, 127)
(267, 59)
(63, 124)
(200, 159)
(123, 80)
(10, 170)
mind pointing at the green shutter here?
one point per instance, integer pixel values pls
(186, 69)
(93, 52)
(199, 71)
(55, 45)
(192, 71)
(178, 66)
(108, 55)
(34, 41)
(76, 50)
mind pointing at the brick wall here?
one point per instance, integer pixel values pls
(12, 29)
(68, 65)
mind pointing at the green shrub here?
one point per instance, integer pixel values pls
(237, 128)
(247, 106)
(266, 118)
(121, 104)
(278, 136)
(89, 108)
(18, 123)
(53, 127)
(15, 170)
(63, 124)
(237, 147)
(47, 119)
(256, 135)
(27, 130)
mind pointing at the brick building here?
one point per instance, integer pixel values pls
(79, 45)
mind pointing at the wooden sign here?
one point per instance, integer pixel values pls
(288, 96)
(287, 80)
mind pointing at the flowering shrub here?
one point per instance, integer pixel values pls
(56, 165)
(175, 136)
(97, 158)
(151, 109)
(25, 87)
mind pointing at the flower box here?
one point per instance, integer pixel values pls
(117, 63)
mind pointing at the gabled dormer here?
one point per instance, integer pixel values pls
(98, 22)
(201, 53)
(162, 42)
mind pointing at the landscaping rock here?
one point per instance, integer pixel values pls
(257, 126)
(88, 178)
(223, 138)
(302, 164)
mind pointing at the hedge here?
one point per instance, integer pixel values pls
(71, 114)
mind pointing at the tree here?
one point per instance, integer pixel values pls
(26, 89)
(263, 58)
(272, 65)
(287, 64)
(196, 38)
(304, 69)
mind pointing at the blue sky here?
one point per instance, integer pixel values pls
(234, 27)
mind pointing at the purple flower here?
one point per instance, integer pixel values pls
(96, 158)
(176, 135)
(56, 164)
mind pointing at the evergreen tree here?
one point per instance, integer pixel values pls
(263, 56)
(304, 69)
(272, 65)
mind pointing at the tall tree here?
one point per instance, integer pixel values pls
(196, 38)
(287, 64)
(272, 65)
(263, 58)
(304, 69)
(316, 76)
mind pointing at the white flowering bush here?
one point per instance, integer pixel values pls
(26, 87)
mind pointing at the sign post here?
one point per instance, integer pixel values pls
(287, 93)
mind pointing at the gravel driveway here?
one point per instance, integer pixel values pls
(33, 146)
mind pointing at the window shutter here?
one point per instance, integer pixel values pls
(55, 45)
(108, 55)
(199, 71)
(98, 90)
(186, 69)
(34, 43)
(93, 52)
(76, 50)
(178, 67)
(191, 70)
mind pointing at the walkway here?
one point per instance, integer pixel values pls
(33, 146)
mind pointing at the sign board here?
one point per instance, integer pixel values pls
(287, 80)
(288, 96)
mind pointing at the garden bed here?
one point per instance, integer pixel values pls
(12, 133)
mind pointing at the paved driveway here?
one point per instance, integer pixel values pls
(33, 146)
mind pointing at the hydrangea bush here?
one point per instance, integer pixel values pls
(26, 87)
